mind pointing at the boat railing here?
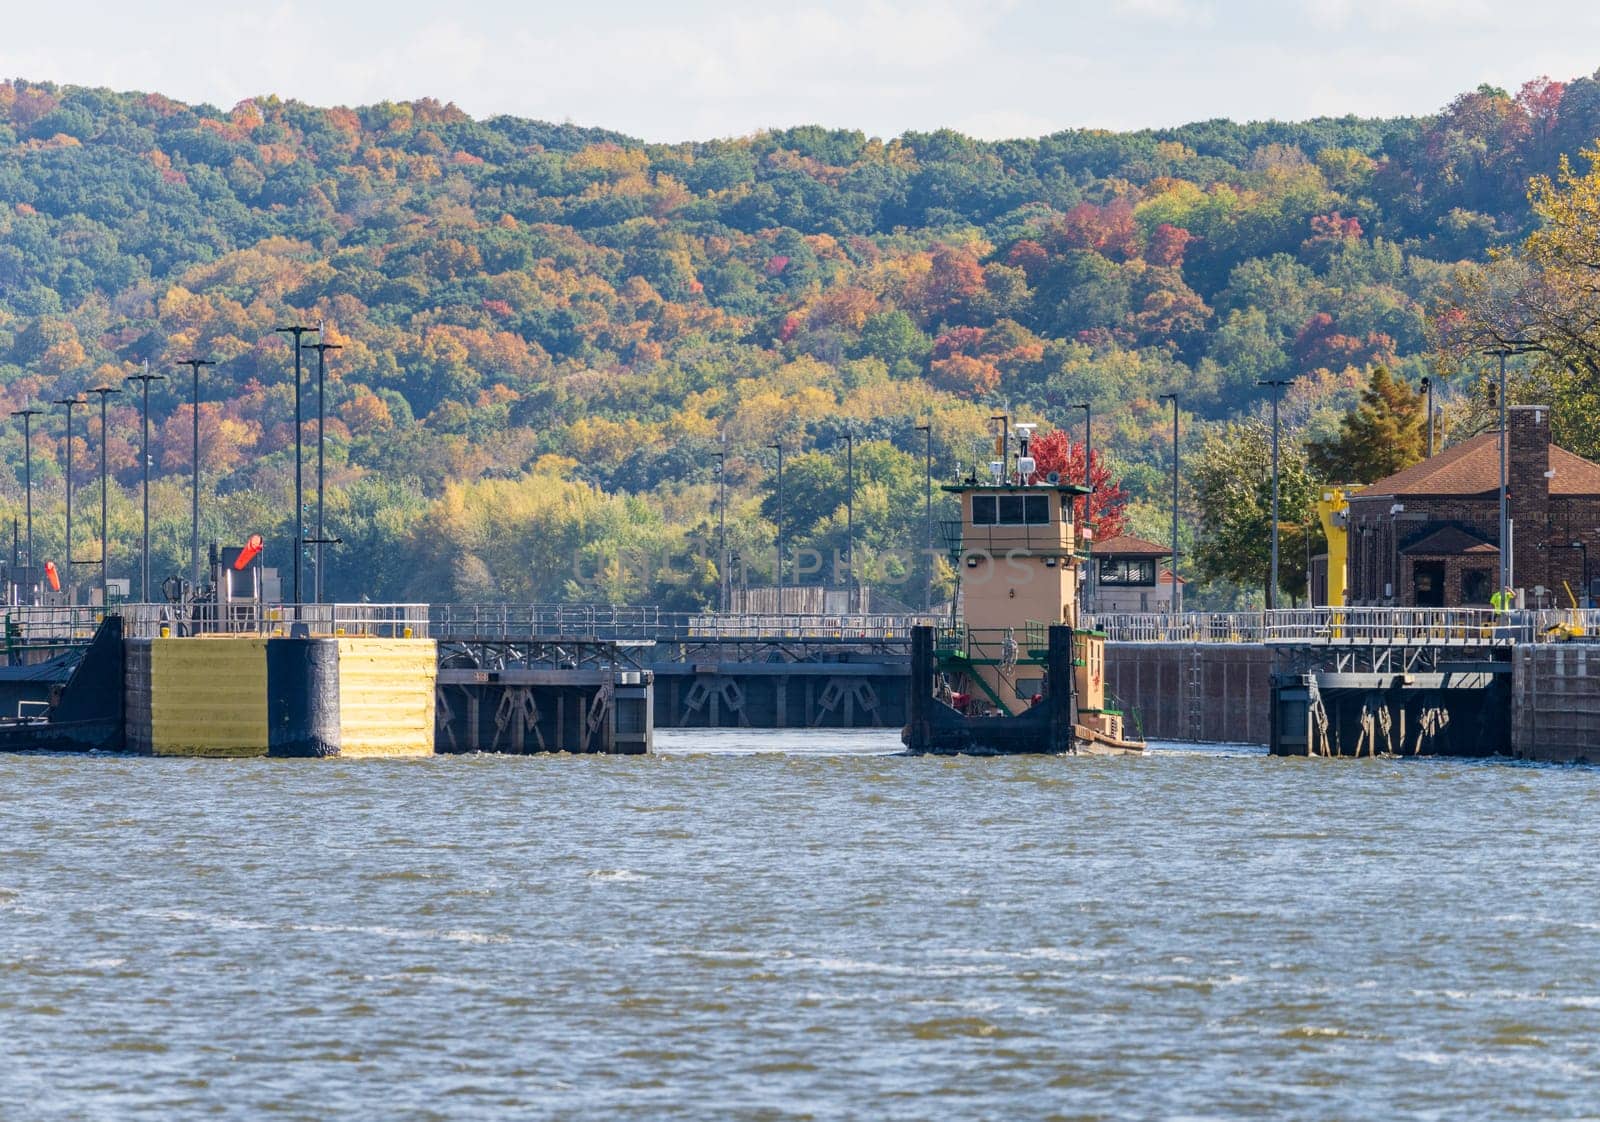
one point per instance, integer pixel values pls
(45, 624)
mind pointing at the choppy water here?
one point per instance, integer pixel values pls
(814, 932)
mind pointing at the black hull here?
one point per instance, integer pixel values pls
(945, 732)
(62, 736)
(88, 717)
(935, 729)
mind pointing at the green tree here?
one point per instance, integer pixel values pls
(1387, 431)
(1233, 489)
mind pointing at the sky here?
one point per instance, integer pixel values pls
(697, 69)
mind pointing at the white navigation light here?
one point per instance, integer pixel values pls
(1025, 466)
(997, 468)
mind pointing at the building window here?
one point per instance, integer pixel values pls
(1127, 571)
(983, 510)
(1476, 586)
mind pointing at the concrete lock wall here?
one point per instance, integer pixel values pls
(1555, 703)
(246, 696)
(196, 697)
(1216, 692)
(387, 690)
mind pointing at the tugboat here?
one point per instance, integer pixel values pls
(1015, 673)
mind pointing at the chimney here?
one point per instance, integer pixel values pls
(1528, 478)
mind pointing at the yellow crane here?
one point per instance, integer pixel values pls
(1334, 512)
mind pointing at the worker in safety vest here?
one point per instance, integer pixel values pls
(1503, 601)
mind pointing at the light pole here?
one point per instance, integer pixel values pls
(1088, 432)
(322, 350)
(1177, 589)
(27, 416)
(850, 516)
(1505, 509)
(722, 528)
(105, 546)
(69, 403)
(194, 365)
(927, 516)
(1276, 385)
(297, 330)
(777, 446)
(144, 468)
(1584, 546)
(1427, 388)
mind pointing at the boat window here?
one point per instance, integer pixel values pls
(1011, 510)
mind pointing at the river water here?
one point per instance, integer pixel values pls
(798, 925)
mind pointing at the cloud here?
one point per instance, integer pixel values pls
(1184, 13)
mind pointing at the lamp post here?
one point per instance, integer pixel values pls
(850, 516)
(777, 446)
(927, 515)
(144, 468)
(105, 547)
(1276, 385)
(27, 416)
(1088, 432)
(69, 403)
(194, 365)
(1505, 506)
(1177, 589)
(1427, 388)
(297, 330)
(1584, 546)
(322, 350)
(722, 528)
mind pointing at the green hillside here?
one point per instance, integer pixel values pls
(547, 330)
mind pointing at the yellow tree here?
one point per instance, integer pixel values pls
(1542, 301)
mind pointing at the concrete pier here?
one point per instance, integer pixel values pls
(245, 695)
(1556, 703)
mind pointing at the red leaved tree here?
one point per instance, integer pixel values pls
(1108, 506)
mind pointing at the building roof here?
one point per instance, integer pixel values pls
(1126, 545)
(1449, 541)
(1473, 468)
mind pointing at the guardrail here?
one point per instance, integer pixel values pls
(1359, 626)
(384, 621)
(1467, 626)
(604, 622)
(631, 624)
(1182, 627)
(880, 627)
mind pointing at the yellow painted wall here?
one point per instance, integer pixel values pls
(386, 696)
(208, 697)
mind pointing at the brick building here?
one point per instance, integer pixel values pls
(1429, 536)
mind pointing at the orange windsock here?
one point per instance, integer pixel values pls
(248, 553)
(52, 576)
